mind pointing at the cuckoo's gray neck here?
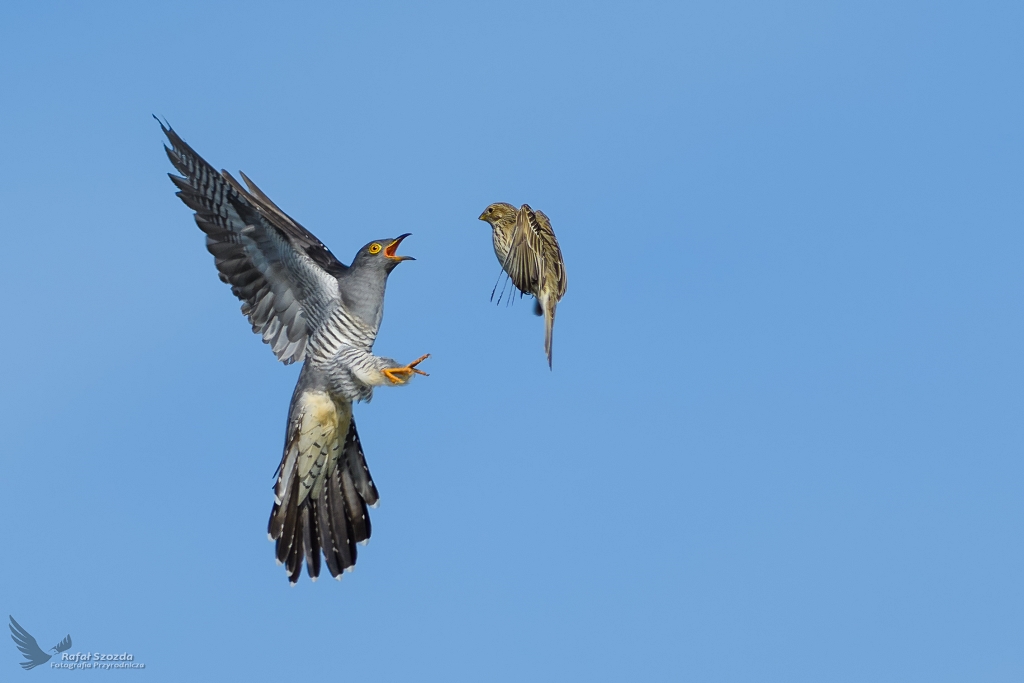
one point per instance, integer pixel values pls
(362, 291)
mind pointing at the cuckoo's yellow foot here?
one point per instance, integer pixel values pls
(403, 375)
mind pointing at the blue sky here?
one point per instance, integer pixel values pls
(782, 438)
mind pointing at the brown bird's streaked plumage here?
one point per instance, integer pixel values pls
(528, 251)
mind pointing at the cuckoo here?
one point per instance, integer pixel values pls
(308, 307)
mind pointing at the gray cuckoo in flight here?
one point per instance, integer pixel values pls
(525, 245)
(308, 307)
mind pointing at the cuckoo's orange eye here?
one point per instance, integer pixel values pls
(375, 248)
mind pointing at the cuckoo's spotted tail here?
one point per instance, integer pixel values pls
(332, 516)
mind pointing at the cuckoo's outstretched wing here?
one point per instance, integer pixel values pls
(299, 237)
(284, 276)
(28, 646)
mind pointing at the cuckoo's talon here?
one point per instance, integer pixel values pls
(403, 375)
(416, 362)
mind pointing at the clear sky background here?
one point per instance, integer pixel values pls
(782, 440)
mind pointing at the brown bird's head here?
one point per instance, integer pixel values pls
(500, 215)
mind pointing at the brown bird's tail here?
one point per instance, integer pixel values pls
(548, 306)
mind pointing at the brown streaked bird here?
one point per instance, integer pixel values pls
(527, 250)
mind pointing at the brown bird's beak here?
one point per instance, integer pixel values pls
(390, 250)
(483, 216)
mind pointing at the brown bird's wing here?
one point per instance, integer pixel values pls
(552, 255)
(523, 263)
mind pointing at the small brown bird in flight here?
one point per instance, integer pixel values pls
(527, 250)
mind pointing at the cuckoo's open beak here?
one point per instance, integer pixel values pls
(390, 250)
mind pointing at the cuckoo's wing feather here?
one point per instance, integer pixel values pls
(298, 236)
(355, 461)
(285, 292)
(28, 646)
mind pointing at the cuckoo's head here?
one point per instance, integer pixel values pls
(500, 215)
(381, 254)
